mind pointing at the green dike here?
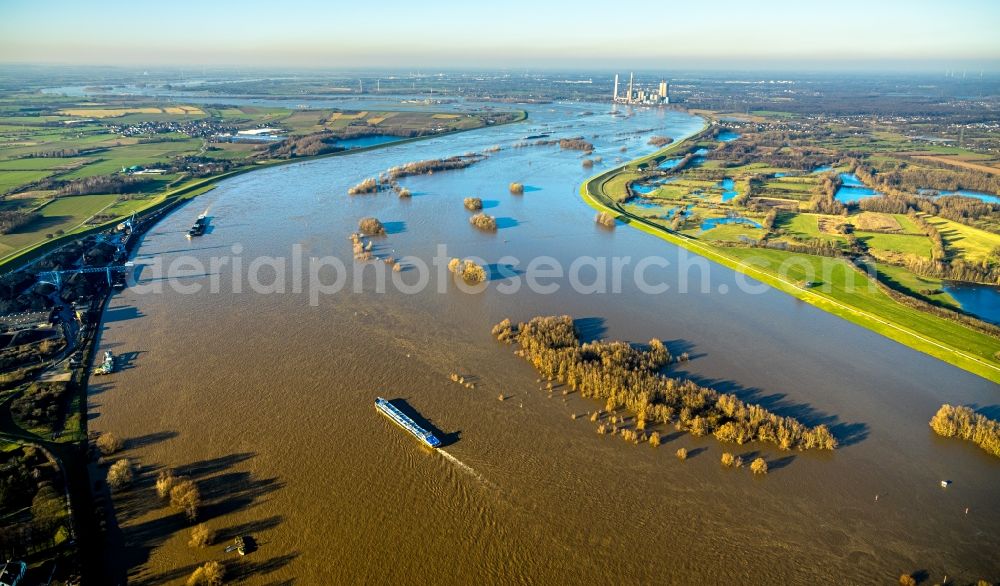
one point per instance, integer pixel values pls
(195, 188)
(866, 306)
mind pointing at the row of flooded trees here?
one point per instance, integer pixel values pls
(626, 377)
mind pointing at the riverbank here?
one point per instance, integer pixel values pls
(944, 339)
(197, 187)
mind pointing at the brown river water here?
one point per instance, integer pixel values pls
(266, 400)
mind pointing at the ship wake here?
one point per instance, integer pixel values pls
(465, 468)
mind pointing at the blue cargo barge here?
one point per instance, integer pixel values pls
(401, 419)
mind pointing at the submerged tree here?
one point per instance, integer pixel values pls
(120, 474)
(605, 219)
(468, 270)
(186, 496)
(108, 443)
(210, 574)
(371, 226)
(484, 222)
(201, 535)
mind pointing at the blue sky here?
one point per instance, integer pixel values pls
(513, 33)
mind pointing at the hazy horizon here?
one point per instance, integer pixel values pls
(307, 34)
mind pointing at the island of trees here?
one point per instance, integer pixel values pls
(626, 377)
(964, 423)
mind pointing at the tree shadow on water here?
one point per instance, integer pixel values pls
(122, 313)
(504, 222)
(681, 346)
(245, 567)
(590, 329)
(780, 463)
(249, 528)
(499, 272)
(847, 434)
(696, 451)
(223, 491)
(991, 411)
(141, 441)
(394, 227)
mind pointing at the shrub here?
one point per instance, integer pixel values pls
(473, 273)
(484, 222)
(371, 226)
(108, 443)
(682, 453)
(728, 459)
(576, 144)
(654, 439)
(907, 580)
(473, 203)
(504, 332)
(165, 481)
(588, 163)
(185, 495)
(404, 193)
(469, 270)
(209, 574)
(758, 466)
(369, 185)
(605, 219)
(201, 535)
(120, 474)
(966, 424)
(517, 188)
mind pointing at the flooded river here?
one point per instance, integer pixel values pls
(266, 400)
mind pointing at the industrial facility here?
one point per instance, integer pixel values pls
(642, 96)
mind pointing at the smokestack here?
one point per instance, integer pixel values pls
(616, 88)
(630, 87)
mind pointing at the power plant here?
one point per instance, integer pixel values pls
(640, 96)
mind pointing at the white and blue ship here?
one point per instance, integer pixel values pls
(401, 419)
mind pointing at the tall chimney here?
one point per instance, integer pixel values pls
(616, 88)
(630, 87)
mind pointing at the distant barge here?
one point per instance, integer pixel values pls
(401, 419)
(199, 226)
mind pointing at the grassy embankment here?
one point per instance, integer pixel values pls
(860, 303)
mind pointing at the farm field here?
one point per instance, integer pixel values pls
(776, 222)
(63, 214)
(50, 142)
(966, 241)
